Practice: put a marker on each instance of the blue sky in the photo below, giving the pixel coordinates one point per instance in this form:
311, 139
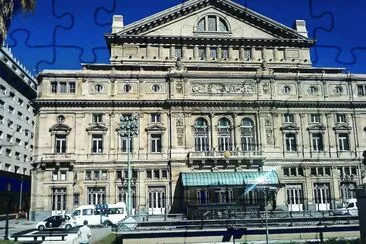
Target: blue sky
61, 34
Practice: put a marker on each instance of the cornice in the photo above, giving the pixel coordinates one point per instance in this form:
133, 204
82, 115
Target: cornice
209, 40
199, 103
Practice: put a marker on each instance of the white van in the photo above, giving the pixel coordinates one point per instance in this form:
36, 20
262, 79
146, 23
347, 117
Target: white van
116, 213
349, 207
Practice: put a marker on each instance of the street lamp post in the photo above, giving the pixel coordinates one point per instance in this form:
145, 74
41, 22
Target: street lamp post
265, 212
21, 194
128, 128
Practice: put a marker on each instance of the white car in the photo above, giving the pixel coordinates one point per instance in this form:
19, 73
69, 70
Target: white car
56, 222
349, 207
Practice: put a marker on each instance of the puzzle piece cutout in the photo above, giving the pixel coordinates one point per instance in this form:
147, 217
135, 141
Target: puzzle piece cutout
59, 42
346, 41
76, 35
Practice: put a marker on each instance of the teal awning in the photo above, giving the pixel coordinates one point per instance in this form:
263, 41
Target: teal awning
193, 179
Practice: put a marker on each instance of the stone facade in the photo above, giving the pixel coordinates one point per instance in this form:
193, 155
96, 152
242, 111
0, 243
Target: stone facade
216, 87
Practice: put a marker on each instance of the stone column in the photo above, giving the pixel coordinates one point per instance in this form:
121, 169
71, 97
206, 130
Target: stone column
236, 131
112, 186
213, 127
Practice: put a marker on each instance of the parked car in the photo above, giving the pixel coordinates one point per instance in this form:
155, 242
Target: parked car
349, 207
113, 215
56, 222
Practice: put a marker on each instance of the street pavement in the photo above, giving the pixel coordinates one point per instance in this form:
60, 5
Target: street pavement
98, 233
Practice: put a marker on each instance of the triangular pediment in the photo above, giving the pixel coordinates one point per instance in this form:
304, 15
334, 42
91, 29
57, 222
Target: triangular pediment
155, 128
315, 127
342, 127
59, 127
182, 20
97, 128
289, 127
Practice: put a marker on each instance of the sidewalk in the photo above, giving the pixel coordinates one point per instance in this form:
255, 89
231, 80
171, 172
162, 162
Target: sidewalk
15, 222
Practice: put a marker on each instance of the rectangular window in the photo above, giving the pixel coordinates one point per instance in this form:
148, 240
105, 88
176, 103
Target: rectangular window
290, 140
123, 196
97, 118
156, 197
104, 175
10, 124
96, 195
213, 52
125, 145
224, 53
60, 144
314, 118
54, 87
12, 95
20, 102
343, 142
148, 174
178, 52
156, 174
156, 118
286, 171
247, 54
97, 143
2, 89
11, 110
202, 53
72, 87
300, 171
341, 118
361, 90
2, 104
59, 199
62, 175
63, 88
76, 198
156, 143
317, 139
55, 175
164, 174
96, 175
88, 175
289, 118
9, 138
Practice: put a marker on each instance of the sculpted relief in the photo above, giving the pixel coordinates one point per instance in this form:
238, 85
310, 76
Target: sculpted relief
223, 88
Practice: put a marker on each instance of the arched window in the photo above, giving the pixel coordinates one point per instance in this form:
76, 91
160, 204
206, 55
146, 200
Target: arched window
212, 23
201, 135
247, 135
224, 135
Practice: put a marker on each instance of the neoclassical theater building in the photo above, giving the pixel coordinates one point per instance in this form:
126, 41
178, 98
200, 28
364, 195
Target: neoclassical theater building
230, 113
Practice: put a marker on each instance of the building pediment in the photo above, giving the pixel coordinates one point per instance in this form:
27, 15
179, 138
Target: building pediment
316, 127
184, 20
342, 127
155, 128
289, 127
96, 128
60, 127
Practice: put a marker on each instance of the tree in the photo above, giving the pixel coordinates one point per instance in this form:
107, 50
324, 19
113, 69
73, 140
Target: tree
10, 7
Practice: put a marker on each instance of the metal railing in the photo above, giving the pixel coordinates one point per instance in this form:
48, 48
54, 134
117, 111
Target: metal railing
242, 220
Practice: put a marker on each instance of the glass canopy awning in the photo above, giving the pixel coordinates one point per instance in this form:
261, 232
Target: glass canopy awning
200, 179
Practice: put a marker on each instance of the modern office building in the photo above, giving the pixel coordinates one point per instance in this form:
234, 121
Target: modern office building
230, 111
17, 89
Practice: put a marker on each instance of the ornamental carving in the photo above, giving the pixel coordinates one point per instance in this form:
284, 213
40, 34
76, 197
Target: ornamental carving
179, 87
223, 88
269, 135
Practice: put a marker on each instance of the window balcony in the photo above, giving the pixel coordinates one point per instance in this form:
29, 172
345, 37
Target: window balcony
226, 158
58, 157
